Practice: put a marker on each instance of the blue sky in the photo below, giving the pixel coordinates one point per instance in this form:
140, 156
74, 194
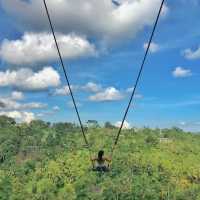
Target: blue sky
102, 45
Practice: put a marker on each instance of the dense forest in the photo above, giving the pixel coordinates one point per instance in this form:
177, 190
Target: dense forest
44, 161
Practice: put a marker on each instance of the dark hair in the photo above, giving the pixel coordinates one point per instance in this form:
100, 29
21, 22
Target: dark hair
100, 154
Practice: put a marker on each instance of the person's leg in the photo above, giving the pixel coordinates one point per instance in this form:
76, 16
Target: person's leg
94, 169
99, 169
105, 169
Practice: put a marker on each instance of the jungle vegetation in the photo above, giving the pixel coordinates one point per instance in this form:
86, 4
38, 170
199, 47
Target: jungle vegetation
44, 161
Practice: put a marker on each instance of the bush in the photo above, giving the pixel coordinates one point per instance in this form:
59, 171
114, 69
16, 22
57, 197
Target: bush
152, 140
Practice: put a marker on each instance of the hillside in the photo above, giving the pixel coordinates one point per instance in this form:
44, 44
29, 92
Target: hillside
46, 161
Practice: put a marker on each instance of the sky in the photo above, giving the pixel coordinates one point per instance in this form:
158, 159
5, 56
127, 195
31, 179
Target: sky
102, 45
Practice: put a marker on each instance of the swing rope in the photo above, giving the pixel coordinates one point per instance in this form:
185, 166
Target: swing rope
137, 80
67, 80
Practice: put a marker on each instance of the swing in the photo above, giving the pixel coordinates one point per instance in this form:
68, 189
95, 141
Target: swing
101, 163
101, 167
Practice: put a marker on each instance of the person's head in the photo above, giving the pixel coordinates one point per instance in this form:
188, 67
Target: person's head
100, 154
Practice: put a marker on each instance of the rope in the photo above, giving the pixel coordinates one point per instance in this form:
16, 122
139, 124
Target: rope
138, 78
67, 79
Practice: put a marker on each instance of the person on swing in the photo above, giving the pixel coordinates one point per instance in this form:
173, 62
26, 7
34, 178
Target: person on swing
100, 162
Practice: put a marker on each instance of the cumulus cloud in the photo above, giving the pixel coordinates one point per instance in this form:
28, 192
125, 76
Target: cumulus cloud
26, 79
54, 110
10, 104
100, 93
180, 72
33, 105
16, 95
92, 87
63, 91
48, 113
19, 115
109, 94
125, 126
130, 90
88, 87
192, 55
95, 19
40, 47
153, 47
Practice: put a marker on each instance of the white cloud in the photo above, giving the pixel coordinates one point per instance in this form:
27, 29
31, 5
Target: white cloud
95, 19
109, 94
101, 94
92, 87
125, 126
20, 116
40, 47
63, 91
48, 113
26, 79
33, 105
89, 87
182, 123
10, 104
130, 89
192, 55
180, 72
137, 96
189, 124
16, 95
56, 108
153, 47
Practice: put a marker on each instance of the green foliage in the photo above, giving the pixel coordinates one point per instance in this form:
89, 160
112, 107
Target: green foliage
152, 140
5, 186
6, 121
109, 125
41, 161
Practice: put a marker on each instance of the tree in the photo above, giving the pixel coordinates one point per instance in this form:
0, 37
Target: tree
6, 121
5, 186
109, 125
92, 124
152, 140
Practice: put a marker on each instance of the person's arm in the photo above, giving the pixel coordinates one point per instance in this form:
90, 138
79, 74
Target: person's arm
107, 159
93, 159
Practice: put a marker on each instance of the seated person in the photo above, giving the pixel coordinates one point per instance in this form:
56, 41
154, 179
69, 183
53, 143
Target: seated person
101, 162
